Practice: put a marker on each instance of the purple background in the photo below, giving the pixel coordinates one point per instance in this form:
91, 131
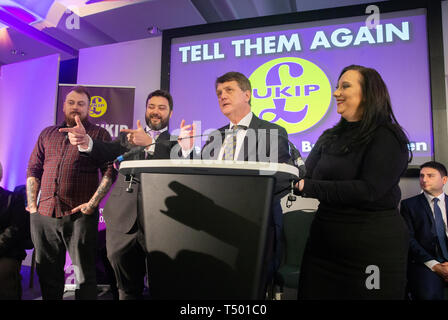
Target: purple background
402, 64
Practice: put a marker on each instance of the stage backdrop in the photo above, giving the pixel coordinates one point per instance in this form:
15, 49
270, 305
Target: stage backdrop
294, 71
113, 109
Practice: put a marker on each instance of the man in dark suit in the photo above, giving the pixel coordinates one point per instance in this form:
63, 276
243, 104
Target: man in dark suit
246, 138
14, 227
426, 216
256, 139
125, 242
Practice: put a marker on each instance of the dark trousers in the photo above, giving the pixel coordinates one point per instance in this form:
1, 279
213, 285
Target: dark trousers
424, 284
10, 279
127, 255
52, 237
274, 248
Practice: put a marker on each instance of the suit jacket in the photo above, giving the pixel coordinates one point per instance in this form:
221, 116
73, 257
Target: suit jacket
14, 225
120, 211
255, 147
424, 244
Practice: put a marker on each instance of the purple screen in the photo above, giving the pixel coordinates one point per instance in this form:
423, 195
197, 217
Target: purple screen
294, 69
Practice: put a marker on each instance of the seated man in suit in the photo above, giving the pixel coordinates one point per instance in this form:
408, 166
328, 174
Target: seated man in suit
245, 138
125, 243
426, 216
14, 228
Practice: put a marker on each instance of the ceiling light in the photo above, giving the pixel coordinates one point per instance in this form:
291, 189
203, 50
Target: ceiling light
154, 30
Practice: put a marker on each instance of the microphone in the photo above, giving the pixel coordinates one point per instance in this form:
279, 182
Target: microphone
136, 150
131, 153
294, 153
297, 160
298, 163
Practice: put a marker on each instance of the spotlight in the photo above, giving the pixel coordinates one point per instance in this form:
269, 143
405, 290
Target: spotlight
154, 30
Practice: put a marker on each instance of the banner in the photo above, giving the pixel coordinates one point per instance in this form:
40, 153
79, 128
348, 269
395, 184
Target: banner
294, 71
113, 109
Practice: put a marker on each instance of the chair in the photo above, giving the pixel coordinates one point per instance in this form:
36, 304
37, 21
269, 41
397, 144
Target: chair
296, 227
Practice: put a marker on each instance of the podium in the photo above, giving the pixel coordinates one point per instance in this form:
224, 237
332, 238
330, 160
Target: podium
206, 224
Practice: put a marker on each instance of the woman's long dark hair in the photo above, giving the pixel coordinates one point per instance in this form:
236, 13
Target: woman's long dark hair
377, 111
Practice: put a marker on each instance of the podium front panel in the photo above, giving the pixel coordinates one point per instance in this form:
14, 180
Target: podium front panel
205, 234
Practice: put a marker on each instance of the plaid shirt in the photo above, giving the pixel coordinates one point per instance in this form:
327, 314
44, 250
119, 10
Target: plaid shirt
68, 178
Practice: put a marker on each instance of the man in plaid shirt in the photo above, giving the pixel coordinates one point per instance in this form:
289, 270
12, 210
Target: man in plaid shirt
66, 218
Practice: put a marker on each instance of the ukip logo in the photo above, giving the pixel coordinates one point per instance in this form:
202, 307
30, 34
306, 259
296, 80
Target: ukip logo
98, 106
291, 92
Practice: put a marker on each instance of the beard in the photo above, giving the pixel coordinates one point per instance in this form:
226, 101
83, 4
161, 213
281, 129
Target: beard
70, 118
162, 123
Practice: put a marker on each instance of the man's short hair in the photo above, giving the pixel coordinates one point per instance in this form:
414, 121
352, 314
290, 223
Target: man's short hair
240, 78
82, 90
161, 93
435, 165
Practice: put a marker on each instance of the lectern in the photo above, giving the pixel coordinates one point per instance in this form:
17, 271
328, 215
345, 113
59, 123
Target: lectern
206, 223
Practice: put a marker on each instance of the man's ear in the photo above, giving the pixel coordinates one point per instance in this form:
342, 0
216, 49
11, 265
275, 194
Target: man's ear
248, 95
444, 179
171, 113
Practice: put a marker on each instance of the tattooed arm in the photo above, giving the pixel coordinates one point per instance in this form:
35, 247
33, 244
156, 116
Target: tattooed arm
103, 189
32, 190
109, 176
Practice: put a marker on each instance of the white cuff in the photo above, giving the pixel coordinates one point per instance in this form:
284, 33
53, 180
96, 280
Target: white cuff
431, 263
89, 148
186, 153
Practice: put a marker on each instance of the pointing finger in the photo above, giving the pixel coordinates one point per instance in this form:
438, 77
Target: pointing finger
128, 130
139, 126
66, 130
78, 208
182, 123
78, 121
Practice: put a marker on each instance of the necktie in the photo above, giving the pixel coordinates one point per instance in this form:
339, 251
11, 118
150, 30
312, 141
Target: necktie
440, 229
230, 142
153, 133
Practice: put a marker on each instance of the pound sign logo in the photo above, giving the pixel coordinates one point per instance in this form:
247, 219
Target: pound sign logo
98, 106
291, 92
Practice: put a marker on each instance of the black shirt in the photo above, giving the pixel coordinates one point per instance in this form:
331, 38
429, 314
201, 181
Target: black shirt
364, 178
14, 225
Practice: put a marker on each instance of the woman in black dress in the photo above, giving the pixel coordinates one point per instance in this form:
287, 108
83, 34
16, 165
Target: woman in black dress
358, 243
